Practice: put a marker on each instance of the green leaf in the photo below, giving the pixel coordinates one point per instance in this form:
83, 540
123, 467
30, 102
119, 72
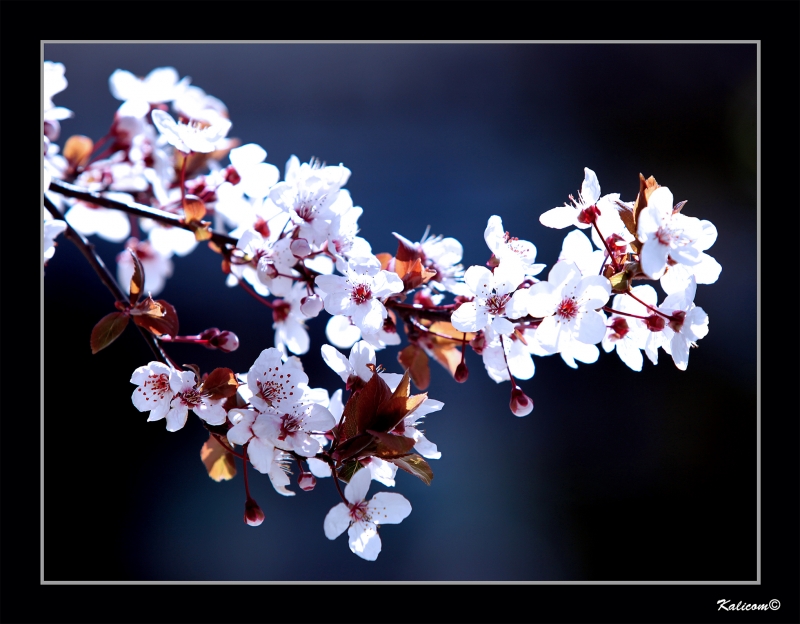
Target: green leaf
107, 330
348, 469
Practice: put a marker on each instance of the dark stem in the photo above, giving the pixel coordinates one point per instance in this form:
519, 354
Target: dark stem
147, 212
613, 311
87, 249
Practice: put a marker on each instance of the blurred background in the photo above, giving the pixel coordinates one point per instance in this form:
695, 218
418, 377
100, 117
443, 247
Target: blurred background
615, 475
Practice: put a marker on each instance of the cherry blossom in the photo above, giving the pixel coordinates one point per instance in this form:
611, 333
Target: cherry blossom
687, 325
496, 299
585, 210
706, 271
52, 228
509, 249
260, 451
568, 304
361, 519
137, 94
154, 391
358, 294
275, 384
289, 322
667, 234
192, 135
293, 428
54, 82
307, 194
358, 368
187, 396
256, 176
628, 334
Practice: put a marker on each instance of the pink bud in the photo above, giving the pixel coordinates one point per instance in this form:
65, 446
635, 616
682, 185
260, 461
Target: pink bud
521, 403
478, 343
462, 373
306, 481
226, 341
311, 306
300, 247
655, 322
252, 513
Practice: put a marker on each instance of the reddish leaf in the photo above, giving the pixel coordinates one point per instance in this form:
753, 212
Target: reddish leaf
389, 446
164, 325
107, 330
218, 460
137, 280
385, 259
415, 361
361, 408
391, 412
415, 465
407, 254
445, 351
220, 384
194, 208
353, 447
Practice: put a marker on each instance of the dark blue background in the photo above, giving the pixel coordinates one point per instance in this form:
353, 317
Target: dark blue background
615, 475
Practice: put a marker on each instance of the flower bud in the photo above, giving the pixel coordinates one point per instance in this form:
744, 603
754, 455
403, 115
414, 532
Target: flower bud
478, 343
226, 341
252, 513
300, 248
521, 403
306, 481
462, 373
311, 306
655, 322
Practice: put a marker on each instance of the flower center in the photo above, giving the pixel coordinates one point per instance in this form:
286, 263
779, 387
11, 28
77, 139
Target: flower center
280, 311
306, 212
496, 304
664, 235
359, 512
361, 293
289, 426
567, 309
269, 391
191, 398
157, 384
676, 322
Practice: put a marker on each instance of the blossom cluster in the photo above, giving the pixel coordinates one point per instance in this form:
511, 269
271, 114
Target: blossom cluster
293, 244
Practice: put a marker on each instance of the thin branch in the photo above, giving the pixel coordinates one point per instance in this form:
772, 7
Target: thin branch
140, 210
96, 262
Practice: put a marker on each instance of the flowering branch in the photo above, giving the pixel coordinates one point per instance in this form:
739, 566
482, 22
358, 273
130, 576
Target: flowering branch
294, 246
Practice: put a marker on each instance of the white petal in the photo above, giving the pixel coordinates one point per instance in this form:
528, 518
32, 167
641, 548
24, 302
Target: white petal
176, 417
336, 521
494, 234
654, 258
364, 540
388, 508
479, 280
502, 326
590, 188
336, 361
592, 327
357, 489
320, 470
559, 218
341, 332
261, 454
630, 354
465, 318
